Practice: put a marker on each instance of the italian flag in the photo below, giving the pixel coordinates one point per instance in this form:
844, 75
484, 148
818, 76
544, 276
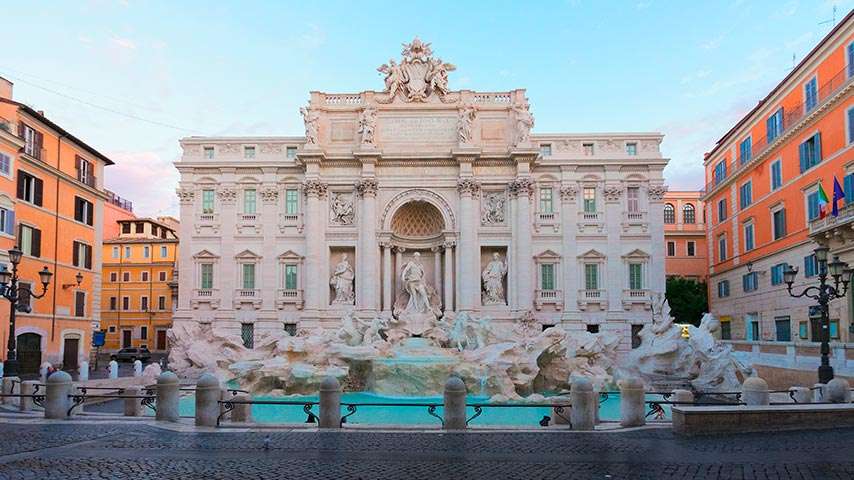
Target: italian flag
823, 202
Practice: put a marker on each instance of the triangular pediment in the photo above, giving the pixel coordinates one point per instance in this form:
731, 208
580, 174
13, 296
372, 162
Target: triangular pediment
205, 254
247, 254
290, 255
636, 253
592, 254
550, 254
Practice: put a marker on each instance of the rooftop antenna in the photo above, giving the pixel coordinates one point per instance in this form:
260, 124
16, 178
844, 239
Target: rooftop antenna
832, 21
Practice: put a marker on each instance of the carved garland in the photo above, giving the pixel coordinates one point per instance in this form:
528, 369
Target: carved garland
367, 186
568, 193
612, 193
185, 195
227, 195
656, 192
315, 188
270, 194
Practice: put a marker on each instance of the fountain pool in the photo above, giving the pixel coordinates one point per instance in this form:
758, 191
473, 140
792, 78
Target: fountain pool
523, 416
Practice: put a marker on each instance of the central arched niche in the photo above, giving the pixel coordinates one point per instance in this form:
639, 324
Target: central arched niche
417, 219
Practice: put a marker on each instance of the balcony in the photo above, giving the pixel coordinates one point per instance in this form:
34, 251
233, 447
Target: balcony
88, 180
207, 224
34, 152
546, 219
288, 296
635, 222
247, 296
793, 119
205, 296
290, 220
548, 297
823, 225
632, 297
591, 222
249, 223
592, 297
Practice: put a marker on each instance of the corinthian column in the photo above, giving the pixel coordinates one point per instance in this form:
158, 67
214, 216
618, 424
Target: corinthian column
387, 277
521, 189
448, 282
315, 274
468, 290
367, 271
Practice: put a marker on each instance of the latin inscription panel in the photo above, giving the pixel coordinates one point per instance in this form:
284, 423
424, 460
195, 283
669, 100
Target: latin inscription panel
420, 129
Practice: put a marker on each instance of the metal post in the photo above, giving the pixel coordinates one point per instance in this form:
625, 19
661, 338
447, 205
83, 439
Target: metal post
11, 366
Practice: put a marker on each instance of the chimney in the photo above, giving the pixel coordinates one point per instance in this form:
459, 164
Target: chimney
5, 89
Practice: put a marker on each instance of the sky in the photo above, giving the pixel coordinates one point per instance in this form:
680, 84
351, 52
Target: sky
133, 77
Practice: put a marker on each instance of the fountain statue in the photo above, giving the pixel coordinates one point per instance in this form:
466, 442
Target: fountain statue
417, 307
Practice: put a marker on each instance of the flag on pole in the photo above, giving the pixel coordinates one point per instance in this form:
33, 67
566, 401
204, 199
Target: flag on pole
822, 202
838, 194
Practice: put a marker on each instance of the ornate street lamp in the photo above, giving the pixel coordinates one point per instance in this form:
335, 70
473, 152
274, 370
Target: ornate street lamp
10, 291
824, 293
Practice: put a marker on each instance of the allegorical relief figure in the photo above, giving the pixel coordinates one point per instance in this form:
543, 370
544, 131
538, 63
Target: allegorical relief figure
342, 209
368, 125
465, 125
342, 281
524, 123
493, 281
493, 209
312, 120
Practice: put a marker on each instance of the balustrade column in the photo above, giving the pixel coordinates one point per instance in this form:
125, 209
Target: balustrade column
448, 282
315, 273
523, 188
387, 277
469, 259
367, 270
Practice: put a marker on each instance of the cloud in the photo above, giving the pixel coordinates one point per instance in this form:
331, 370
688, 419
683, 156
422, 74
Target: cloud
145, 178
121, 42
714, 43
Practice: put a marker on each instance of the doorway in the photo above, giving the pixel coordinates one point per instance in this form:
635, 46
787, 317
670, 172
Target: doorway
29, 353
70, 354
161, 340
126, 336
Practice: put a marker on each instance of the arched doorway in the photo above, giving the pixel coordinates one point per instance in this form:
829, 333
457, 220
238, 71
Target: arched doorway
70, 352
29, 352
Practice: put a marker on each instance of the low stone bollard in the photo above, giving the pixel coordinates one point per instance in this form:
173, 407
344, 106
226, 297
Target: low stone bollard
330, 403
56, 402
114, 369
454, 404
242, 412
632, 403
133, 406
27, 388
207, 398
84, 371
838, 391
167, 397
583, 415
800, 394
682, 396
137, 368
818, 392
754, 391
8, 388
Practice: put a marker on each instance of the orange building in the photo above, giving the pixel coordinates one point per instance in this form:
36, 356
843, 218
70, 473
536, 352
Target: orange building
53, 184
115, 208
685, 236
138, 293
762, 193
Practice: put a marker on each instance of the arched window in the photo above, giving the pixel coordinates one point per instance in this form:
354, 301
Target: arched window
688, 214
669, 214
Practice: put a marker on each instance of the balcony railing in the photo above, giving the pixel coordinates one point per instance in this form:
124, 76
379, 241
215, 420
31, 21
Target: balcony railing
88, 180
248, 293
846, 215
548, 297
249, 217
208, 217
546, 217
119, 201
203, 292
289, 296
791, 119
36, 153
589, 216
591, 294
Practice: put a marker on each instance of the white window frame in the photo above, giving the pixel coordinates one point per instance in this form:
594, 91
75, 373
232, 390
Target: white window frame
117, 252
11, 173
776, 208
778, 161
848, 140
687, 250
725, 249
748, 224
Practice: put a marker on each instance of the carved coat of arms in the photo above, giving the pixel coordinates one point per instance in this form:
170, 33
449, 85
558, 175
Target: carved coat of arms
417, 76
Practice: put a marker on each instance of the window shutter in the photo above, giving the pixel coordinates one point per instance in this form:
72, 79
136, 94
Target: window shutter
90, 216
78, 209
88, 249
817, 148
75, 254
37, 242
21, 126
78, 162
22, 177
9, 228
20, 236
802, 154
39, 192
783, 222
38, 147
848, 183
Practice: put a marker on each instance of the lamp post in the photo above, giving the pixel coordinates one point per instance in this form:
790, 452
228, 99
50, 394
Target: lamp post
824, 293
10, 291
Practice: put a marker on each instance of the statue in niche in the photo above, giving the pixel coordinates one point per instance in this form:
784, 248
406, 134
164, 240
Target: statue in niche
342, 209
465, 125
367, 125
524, 123
493, 281
312, 127
342, 282
493, 209
417, 306
415, 285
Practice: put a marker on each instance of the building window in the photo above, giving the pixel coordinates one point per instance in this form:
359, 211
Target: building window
669, 214
751, 322
126, 276
748, 237
209, 152
164, 251
811, 94
671, 249
777, 273
248, 276
249, 200
154, 230
631, 149
143, 333
722, 253
82, 255
291, 152
125, 303
249, 152
144, 276
745, 197
143, 304
140, 227
7, 221
779, 223
290, 277
114, 303
33, 141
722, 213
809, 152
114, 276
589, 199
79, 304
127, 252
745, 150
690, 246
162, 276
146, 251
206, 276
774, 125
592, 328
750, 282
207, 201
848, 187
810, 266
291, 329
291, 201
834, 329
125, 227
726, 330
5, 164
850, 55
30, 188
636, 339
545, 150
783, 325
588, 149
591, 276
813, 207
776, 174
116, 252
689, 214
633, 199
635, 276
723, 289
720, 171
247, 334
161, 302
30, 240
546, 200
547, 276
84, 171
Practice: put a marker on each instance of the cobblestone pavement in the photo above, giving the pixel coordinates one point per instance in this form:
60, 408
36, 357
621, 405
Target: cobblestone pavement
141, 452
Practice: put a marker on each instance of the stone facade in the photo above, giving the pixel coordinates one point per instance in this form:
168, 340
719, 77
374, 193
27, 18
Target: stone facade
272, 226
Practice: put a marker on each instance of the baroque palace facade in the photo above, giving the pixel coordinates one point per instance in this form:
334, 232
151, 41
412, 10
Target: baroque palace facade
448, 186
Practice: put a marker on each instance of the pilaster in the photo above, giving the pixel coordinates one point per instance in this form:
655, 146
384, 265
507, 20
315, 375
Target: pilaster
521, 190
469, 259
